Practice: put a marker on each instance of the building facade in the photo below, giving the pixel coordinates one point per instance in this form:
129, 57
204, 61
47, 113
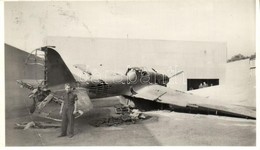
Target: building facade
201, 62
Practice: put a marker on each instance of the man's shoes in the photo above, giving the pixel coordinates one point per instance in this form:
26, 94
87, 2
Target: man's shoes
62, 135
71, 136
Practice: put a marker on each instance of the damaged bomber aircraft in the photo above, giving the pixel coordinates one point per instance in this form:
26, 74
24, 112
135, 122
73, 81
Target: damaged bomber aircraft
138, 88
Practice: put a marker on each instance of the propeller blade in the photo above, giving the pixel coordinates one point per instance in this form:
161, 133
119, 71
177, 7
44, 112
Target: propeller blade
176, 74
154, 70
42, 104
33, 106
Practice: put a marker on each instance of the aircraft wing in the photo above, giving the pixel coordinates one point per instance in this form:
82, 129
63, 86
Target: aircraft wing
185, 100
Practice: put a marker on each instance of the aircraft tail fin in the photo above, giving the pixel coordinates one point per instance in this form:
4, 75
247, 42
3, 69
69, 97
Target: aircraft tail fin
56, 72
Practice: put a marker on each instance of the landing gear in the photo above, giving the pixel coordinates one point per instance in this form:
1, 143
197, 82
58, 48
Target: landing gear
127, 102
142, 104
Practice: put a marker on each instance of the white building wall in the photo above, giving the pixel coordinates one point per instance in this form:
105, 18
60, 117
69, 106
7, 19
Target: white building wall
196, 59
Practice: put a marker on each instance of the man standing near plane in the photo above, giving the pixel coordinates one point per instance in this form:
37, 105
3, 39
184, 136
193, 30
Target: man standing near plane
67, 110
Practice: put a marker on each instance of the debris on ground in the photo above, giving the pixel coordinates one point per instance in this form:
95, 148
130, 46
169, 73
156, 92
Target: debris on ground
125, 115
38, 125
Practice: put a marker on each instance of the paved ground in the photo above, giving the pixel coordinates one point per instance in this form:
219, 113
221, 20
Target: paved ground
164, 128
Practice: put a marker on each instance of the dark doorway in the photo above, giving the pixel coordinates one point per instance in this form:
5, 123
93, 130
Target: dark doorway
193, 84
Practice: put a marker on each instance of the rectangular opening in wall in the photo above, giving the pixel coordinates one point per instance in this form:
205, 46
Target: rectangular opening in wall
193, 84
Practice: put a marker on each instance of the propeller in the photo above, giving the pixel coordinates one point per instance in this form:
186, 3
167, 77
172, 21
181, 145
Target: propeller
40, 95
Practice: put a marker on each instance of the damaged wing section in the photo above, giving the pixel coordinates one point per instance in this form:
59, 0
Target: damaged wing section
185, 102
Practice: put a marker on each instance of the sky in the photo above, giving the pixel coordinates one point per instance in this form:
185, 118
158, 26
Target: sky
27, 24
